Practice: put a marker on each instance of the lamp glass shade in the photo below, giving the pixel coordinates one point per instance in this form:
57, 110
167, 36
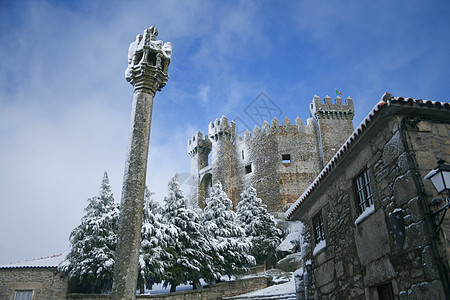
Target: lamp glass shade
440, 179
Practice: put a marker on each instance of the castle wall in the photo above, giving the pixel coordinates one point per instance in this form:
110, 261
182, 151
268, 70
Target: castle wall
278, 160
334, 124
198, 151
299, 141
260, 151
223, 162
277, 183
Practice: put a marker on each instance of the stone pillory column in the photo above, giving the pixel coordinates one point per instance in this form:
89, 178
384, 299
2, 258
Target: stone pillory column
148, 62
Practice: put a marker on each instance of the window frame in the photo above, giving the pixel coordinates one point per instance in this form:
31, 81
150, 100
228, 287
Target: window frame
385, 291
318, 228
248, 169
18, 291
286, 159
362, 187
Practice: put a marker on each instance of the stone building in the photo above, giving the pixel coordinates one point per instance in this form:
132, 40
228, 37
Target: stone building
33, 279
369, 228
279, 160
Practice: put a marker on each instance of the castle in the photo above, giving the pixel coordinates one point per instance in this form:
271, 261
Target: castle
279, 160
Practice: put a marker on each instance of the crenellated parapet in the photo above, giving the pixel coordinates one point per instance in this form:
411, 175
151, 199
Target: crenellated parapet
221, 128
197, 144
330, 110
274, 128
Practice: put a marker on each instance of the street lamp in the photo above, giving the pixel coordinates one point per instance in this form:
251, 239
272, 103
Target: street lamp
440, 178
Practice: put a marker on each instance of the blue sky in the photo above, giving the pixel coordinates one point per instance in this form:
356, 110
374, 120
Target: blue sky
65, 105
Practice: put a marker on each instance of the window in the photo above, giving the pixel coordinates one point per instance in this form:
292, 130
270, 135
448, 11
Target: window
364, 197
23, 294
286, 158
248, 169
319, 232
385, 291
242, 154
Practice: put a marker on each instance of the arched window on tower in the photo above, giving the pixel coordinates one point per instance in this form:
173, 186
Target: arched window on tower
204, 190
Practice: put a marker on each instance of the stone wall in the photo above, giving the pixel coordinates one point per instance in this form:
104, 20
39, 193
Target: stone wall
360, 257
46, 283
256, 158
216, 291
278, 183
334, 124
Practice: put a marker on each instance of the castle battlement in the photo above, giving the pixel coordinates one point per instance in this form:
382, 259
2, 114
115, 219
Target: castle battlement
196, 144
330, 110
220, 128
276, 128
279, 158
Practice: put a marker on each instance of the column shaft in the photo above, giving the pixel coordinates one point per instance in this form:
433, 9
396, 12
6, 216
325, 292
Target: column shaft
127, 252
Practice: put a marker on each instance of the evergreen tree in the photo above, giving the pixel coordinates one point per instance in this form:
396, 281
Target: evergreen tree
187, 246
259, 225
153, 244
231, 247
90, 261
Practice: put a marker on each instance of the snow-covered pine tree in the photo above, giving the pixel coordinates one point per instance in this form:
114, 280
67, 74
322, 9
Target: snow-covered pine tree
259, 225
187, 244
231, 247
153, 244
90, 261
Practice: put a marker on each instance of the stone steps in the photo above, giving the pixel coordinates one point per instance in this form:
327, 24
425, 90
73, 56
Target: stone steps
288, 296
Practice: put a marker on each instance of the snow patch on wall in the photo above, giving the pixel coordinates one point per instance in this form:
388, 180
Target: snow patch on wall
367, 212
319, 247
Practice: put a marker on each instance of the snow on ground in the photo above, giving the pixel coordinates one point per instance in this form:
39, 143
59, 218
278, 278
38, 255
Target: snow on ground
278, 276
284, 284
278, 289
159, 289
292, 238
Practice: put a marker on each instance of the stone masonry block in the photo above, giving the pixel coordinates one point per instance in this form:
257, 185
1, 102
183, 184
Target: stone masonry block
393, 148
415, 209
324, 274
442, 130
402, 163
415, 236
379, 271
404, 189
371, 238
426, 290
427, 260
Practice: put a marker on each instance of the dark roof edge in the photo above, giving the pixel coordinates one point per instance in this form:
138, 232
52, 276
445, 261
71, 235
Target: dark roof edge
29, 267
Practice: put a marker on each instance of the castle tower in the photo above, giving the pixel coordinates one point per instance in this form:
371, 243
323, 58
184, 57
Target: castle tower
279, 160
222, 135
334, 124
148, 61
198, 150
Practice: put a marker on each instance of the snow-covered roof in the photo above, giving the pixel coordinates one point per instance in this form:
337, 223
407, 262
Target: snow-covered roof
386, 102
43, 262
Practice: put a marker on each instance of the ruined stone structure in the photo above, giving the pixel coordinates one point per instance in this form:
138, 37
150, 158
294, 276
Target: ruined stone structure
148, 62
279, 160
370, 232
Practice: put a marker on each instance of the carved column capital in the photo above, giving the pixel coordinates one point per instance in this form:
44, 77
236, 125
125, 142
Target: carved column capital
148, 62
